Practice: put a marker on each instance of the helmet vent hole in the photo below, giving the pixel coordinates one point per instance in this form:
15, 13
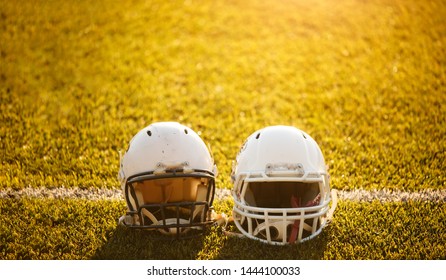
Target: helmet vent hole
258, 136
185, 131
149, 132
305, 137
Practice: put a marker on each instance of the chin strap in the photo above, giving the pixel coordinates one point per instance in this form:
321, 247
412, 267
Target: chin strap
221, 219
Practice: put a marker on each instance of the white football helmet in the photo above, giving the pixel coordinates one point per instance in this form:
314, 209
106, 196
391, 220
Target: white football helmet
281, 186
168, 178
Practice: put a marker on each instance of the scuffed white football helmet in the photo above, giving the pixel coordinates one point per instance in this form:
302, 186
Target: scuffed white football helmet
168, 176
281, 186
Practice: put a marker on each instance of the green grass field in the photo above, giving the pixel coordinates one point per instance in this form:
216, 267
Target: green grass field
366, 79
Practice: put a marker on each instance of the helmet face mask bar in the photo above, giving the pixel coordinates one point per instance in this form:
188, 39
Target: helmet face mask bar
281, 189
172, 203
279, 211
175, 195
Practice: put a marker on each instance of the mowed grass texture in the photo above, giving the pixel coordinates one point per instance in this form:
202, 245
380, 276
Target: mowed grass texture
80, 229
78, 79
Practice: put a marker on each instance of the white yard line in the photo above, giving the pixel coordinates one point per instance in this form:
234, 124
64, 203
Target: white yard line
62, 192
386, 195
359, 195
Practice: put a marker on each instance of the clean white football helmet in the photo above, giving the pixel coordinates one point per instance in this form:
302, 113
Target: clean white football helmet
168, 178
281, 186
